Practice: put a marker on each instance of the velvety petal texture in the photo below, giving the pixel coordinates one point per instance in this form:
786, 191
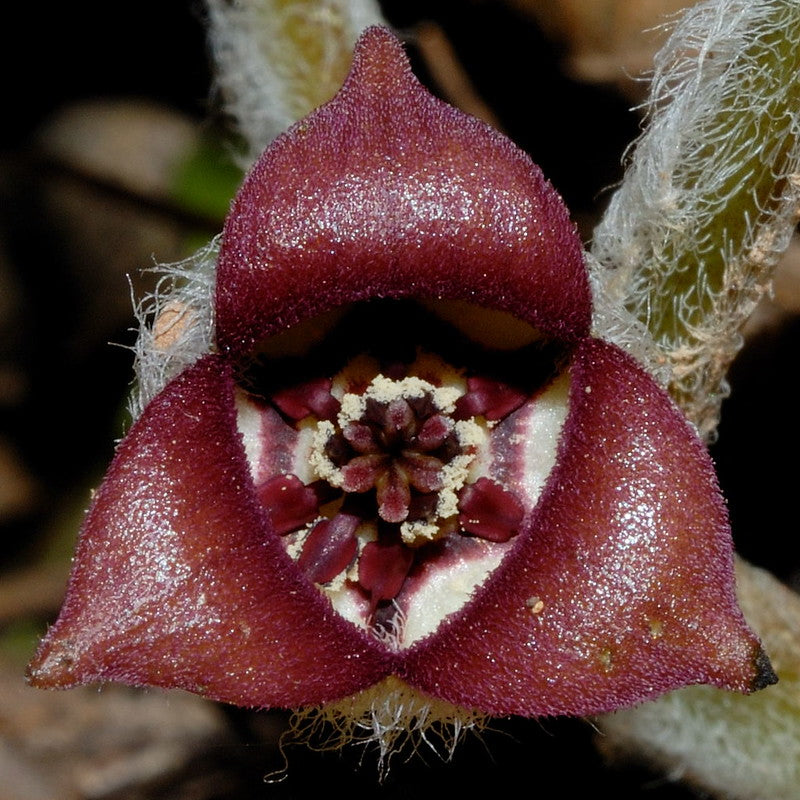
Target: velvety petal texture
611, 584
178, 580
620, 588
388, 192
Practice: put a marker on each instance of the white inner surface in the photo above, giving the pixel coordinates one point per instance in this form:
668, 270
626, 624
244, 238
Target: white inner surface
532, 432
449, 588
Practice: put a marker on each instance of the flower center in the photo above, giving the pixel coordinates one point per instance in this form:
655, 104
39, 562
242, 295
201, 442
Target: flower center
398, 439
392, 476
397, 457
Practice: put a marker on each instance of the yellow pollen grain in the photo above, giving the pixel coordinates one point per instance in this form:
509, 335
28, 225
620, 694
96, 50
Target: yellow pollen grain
170, 324
419, 532
656, 628
385, 390
323, 467
535, 605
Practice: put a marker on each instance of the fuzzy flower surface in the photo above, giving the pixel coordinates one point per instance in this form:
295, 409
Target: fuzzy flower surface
405, 458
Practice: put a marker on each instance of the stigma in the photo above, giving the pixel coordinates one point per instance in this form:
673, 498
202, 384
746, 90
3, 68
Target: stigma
398, 438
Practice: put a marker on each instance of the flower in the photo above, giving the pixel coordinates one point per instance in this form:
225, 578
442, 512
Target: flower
406, 457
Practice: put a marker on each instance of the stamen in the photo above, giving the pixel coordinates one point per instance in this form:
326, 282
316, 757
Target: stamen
489, 511
313, 397
398, 419
393, 493
433, 432
361, 473
361, 438
382, 570
423, 472
491, 399
288, 503
330, 548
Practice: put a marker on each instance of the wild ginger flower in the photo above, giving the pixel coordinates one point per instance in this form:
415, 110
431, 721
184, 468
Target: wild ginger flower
405, 460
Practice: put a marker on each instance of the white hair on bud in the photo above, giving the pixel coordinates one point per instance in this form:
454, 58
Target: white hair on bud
176, 324
711, 191
735, 746
392, 717
616, 324
277, 61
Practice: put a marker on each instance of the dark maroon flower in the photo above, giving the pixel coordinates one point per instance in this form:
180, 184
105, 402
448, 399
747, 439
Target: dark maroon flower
406, 458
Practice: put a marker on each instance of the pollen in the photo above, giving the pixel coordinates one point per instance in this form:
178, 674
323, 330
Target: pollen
396, 462
170, 325
535, 605
397, 437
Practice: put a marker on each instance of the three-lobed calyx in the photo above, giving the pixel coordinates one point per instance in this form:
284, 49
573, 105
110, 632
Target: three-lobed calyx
582, 559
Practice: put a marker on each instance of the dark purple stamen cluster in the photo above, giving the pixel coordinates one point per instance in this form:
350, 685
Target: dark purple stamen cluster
398, 449
390, 464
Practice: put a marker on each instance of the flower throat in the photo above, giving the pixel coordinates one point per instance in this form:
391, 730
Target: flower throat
392, 459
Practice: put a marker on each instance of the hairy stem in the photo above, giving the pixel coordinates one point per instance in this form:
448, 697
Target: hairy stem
277, 60
709, 201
